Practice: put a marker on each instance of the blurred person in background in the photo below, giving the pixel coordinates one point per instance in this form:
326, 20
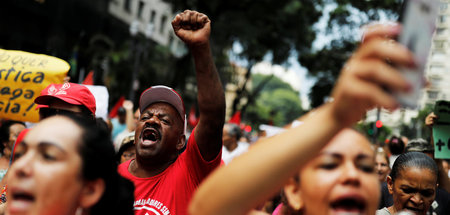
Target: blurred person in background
405, 140
119, 122
232, 147
131, 120
382, 164
9, 131
420, 145
396, 147
127, 149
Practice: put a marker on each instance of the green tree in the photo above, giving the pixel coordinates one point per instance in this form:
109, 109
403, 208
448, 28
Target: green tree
417, 128
154, 68
277, 104
376, 135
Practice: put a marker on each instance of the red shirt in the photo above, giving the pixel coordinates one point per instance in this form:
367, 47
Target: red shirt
170, 192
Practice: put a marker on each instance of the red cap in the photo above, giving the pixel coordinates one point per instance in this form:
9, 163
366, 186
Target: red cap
43, 92
71, 93
165, 94
41, 106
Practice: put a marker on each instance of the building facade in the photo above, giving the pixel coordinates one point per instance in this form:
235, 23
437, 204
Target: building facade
150, 17
438, 64
436, 74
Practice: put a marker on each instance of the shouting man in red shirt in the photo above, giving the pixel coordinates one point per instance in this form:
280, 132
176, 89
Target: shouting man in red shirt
164, 178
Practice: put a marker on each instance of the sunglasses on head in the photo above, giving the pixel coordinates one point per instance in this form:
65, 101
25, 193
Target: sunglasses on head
48, 112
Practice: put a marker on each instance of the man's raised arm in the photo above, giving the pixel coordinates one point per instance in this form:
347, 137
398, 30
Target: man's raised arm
194, 28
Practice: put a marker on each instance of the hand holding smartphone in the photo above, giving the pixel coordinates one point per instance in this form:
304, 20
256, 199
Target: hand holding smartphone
419, 23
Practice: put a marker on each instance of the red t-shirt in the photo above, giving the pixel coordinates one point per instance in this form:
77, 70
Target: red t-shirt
170, 192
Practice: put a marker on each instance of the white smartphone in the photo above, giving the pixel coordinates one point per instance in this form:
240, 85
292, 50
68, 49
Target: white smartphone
419, 22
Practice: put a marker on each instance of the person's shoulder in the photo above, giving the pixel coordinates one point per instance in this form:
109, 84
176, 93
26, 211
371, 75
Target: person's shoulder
382, 211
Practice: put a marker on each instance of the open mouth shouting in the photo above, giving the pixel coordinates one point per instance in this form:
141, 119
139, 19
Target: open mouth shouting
352, 205
20, 200
150, 136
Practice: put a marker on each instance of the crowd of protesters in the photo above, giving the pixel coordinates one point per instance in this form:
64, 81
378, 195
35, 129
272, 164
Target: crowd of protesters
143, 162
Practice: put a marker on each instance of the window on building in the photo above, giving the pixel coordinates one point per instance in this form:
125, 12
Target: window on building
152, 16
162, 25
127, 6
438, 56
140, 9
436, 69
443, 6
440, 31
442, 18
432, 94
435, 81
439, 44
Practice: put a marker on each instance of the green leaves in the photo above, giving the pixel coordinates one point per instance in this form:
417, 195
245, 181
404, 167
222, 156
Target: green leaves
277, 103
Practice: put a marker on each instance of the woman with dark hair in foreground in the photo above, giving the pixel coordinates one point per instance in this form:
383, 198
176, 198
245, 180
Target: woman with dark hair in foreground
66, 165
264, 169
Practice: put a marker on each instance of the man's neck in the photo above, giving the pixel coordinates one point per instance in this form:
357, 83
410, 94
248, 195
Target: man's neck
146, 170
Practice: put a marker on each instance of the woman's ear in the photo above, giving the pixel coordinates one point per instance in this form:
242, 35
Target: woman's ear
292, 193
91, 193
390, 184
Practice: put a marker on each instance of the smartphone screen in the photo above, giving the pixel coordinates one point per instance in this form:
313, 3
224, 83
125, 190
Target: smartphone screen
419, 22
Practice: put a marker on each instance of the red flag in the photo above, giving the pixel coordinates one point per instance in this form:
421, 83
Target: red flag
192, 119
113, 112
89, 80
236, 118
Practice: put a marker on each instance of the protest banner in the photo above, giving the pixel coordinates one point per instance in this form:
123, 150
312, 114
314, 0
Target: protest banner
23, 76
441, 130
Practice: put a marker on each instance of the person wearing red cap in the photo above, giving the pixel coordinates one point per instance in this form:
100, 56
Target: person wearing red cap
67, 98
164, 178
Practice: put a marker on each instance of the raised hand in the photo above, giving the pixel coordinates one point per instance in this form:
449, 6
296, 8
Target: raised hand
367, 78
128, 105
430, 119
192, 27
